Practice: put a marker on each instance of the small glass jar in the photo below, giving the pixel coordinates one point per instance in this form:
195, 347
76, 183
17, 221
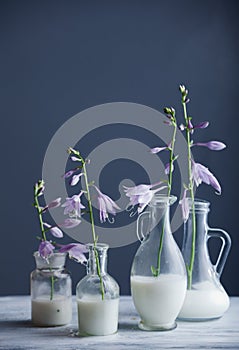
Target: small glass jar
51, 291
97, 299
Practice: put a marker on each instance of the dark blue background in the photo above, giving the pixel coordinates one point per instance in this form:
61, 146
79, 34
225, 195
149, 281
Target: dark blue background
60, 57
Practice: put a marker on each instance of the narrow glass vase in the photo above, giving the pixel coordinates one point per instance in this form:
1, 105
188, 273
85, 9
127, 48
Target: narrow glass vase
98, 308
158, 297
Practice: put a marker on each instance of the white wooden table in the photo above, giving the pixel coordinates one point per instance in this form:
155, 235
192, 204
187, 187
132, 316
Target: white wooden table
16, 331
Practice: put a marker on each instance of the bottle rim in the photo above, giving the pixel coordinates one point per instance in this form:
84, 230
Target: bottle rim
159, 198
199, 204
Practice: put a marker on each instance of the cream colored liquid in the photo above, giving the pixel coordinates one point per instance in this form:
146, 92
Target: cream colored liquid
56, 312
97, 316
204, 301
158, 300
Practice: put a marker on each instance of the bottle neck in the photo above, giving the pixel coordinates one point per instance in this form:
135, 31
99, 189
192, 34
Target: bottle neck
98, 252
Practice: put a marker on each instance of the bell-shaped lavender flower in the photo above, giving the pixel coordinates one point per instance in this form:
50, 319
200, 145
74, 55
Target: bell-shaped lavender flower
185, 206
46, 249
201, 174
201, 125
70, 223
141, 195
73, 205
212, 145
55, 231
76, 251
106, 205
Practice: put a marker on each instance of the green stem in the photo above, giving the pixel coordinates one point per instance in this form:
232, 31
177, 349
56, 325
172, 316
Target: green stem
93, 229
192, 255
39, 211
157, 272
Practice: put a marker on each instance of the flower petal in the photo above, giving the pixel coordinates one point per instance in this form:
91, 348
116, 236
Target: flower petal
157, 149
70, 223
45, 249
56, 232
75, 179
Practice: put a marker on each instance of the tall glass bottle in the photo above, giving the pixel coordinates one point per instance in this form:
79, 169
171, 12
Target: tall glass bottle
97, 311
158, 275
205, 298
51, 291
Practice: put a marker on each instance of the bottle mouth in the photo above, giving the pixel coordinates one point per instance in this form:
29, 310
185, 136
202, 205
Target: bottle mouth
99, 246
162, 199
199, 204
55, 260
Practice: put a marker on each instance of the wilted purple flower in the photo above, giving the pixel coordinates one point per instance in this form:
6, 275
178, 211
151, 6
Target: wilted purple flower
201, 174
55, 231
69, 173
106, 205
212, 145
75, 179
70, 223
73, 205
141, 194
75, 250
45, 249
185, 206
157, 149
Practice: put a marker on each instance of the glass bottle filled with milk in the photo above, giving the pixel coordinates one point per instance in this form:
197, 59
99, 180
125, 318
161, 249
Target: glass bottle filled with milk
158, 274
97, 296
205, 297
51, 291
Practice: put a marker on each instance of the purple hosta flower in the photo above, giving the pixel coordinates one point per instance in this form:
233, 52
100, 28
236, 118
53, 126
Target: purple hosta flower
69, 173
192, 127
75, 159
70, 223
201, 125
45, 249
167, 168
212, 145
75, 179
76, 251
73, 205
201, 174
157, 149
106, 205
185, 206
54, 204
55, 231
141, 194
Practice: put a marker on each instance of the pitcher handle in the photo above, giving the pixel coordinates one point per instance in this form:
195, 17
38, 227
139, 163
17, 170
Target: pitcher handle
225, 248
139, 225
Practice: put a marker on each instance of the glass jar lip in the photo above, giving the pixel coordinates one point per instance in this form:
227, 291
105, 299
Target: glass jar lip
55, 261
99, 246
199, 204
160, 198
